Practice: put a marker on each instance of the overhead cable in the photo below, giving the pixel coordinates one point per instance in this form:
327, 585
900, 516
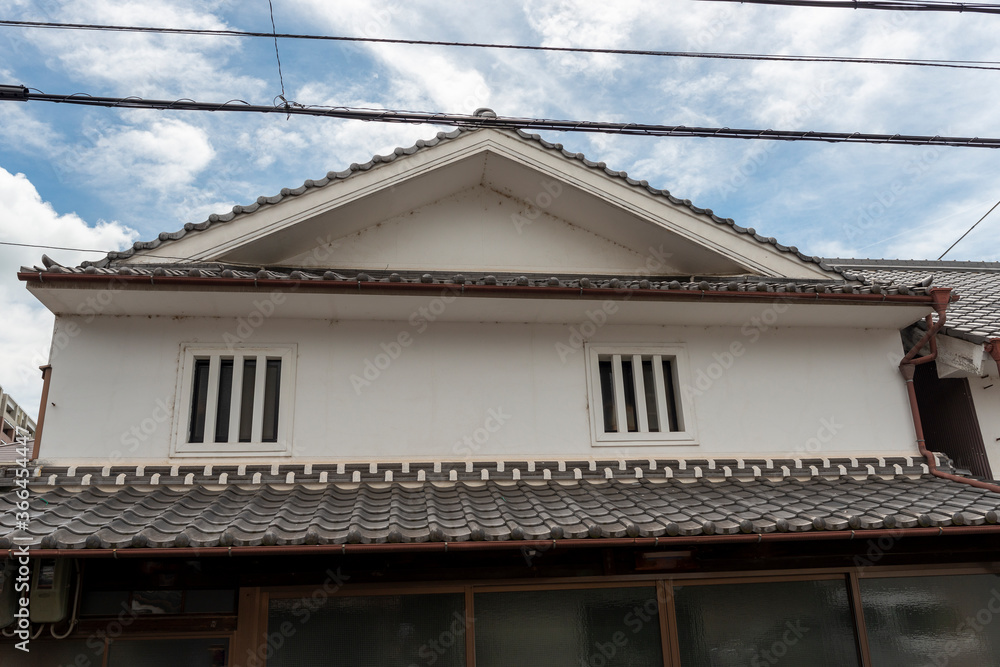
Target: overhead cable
20, 93
887, 5
277, 57
954, 64
179, 260
969, 230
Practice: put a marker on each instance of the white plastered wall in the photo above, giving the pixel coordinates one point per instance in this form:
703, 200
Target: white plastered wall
799, 392
986, 398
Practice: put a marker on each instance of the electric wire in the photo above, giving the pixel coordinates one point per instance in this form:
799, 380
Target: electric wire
954, 64
178, 260
465, 121
277, 57
886, 5
50, 247
969, 230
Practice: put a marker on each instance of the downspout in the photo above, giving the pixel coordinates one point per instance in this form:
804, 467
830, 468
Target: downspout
46, 377
908, 367
992, 347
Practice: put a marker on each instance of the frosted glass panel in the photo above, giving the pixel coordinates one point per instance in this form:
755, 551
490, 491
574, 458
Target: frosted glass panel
942, 620
168, 653
612, 627
374, 631
784, 623
50, 653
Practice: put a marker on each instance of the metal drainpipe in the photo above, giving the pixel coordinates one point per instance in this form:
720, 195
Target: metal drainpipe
908, 367
993, 349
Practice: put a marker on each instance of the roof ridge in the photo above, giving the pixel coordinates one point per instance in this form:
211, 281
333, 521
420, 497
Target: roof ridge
421, 144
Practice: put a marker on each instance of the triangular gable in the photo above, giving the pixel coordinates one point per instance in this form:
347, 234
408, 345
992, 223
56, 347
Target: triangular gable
481, 200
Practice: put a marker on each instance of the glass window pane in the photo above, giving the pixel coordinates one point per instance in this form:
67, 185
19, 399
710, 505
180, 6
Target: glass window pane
608, 395
50, 653
103, 603
246, 399
649, 382
168, 652
614, 627
628, 380
368, 631
272, 388
942, 620
225, 400
209, 602
668, 385
157, 602
788, 623
199, 398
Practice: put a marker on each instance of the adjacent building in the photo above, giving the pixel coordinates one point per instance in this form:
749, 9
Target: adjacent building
17, 426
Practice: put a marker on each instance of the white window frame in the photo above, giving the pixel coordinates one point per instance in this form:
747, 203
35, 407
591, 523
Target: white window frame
685, 411
288, 353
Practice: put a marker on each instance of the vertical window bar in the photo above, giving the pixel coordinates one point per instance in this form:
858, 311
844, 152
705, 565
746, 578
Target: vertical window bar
661, 393
272, 389
225, 404
258, 398
236, 401
607, 395
616, 372
649, 389
674, 419
247, 398
199, 400
639, 390
213, 397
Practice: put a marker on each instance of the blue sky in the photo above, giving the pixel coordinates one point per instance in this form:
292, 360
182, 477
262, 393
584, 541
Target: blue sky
101, 178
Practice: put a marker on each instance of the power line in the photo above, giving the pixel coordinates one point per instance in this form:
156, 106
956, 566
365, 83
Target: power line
20, 93
274, 32
105, 252
954, 64
50, 247
888, 5
969, 230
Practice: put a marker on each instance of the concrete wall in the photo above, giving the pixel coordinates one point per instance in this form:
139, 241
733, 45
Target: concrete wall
785, 392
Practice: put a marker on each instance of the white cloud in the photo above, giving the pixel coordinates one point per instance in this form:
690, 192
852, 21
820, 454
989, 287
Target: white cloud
947, 223
586, 24
25, 218
154, 155
147, 65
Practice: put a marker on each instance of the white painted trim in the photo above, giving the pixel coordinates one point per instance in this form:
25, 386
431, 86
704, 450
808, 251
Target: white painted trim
677, 353
288, 353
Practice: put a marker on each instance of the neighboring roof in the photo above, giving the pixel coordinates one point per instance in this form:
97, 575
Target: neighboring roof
334, 177
224, 274
974, 317
9, 451
246, 505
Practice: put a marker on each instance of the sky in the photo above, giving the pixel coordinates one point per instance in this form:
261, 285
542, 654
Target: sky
101, 178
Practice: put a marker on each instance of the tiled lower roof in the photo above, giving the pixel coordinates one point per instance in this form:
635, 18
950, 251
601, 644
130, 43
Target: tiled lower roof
974, 317
236, 506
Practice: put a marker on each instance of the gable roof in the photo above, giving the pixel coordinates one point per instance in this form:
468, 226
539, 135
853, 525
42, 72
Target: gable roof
334, 178
975, 317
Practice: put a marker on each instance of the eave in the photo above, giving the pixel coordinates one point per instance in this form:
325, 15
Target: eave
521, 300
